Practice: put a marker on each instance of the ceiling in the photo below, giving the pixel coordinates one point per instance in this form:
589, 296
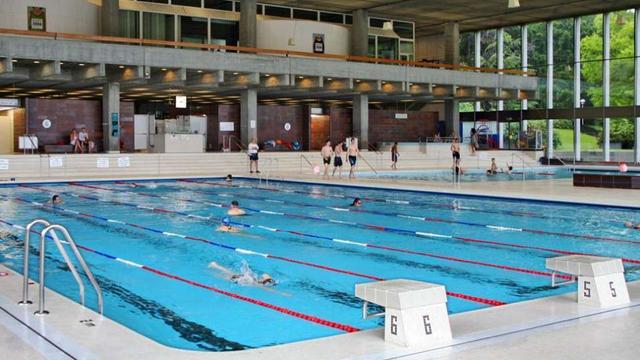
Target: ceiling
430, 15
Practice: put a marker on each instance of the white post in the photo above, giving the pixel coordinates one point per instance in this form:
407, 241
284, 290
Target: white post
549, 88
524, 55
606, 83
576, 89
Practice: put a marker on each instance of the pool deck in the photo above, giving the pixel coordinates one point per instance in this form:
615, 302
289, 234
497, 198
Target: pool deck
552, 327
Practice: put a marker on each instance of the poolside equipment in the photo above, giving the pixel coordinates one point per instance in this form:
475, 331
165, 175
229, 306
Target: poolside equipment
600, 279
415, 312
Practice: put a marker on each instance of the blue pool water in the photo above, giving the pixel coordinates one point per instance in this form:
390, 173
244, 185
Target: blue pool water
475, 175
486, 251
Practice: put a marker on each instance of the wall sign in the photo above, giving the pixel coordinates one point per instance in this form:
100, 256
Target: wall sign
226, 126
56, 162
4, 164
37, 18
287, 126
46, 123
123, 162
102, 163
402, 116
115, 124
252, 124
4, 102
181, 102
318, 43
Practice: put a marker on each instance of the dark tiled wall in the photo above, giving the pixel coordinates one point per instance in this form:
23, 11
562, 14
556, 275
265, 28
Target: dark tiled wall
341, 126
272, 119
229, 113
66, 115
384, 127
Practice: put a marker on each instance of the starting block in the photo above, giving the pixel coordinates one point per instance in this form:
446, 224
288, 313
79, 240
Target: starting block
415, 312
600, 279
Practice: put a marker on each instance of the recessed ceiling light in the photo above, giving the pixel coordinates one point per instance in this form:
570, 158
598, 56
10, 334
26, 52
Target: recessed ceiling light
357, 80
235, 73
199, 71
14, 60
61, 63
120, 66
384, 82
36, 62
164, 69
81, 64
329, 79
300, 77
267, 75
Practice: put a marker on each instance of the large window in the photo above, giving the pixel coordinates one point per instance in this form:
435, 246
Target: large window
224, 32
512, 46
193, 29
218, 5
537, 55
158, 26
387, 47
488, 49
591, 56
129, 23
563, 63
622, 58
467, 49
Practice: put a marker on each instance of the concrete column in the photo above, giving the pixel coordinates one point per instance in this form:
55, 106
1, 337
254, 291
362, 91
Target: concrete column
549, 88
111, 116
248, 115
525, 67
577, 148
636, 152
361, 120
248, 23
109, 16
360, 33
606, 83
451, 56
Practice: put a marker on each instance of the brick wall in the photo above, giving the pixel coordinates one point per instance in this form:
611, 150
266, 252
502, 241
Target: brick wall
384, 127
66, 115
341, 126
272, 120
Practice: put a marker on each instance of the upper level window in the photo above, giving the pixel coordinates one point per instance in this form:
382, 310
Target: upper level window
305, 14
403, 29
376, 23
219, 5
194, 3
277, 11
156, 1
331, 17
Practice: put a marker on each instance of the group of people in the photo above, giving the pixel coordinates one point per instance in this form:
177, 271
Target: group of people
80, 141
336, 152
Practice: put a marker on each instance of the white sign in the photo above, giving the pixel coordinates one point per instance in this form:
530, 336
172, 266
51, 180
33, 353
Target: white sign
252, 124
226, 126
46, 123
123, 161
181, 101
9, 102
402, 116
102, 163
316, 111
56, 162
4, 164
287, 126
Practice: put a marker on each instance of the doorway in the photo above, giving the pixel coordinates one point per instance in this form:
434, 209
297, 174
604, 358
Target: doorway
6, 133
320, 131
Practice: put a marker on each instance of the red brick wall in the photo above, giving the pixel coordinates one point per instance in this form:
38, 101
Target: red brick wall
320, 131
66, 115
228, 113
341, 126
384, 127
271, 121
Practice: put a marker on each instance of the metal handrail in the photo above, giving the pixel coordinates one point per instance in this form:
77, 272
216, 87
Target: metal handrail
523, 164
69, 240
371, 167
25, 268
305, 159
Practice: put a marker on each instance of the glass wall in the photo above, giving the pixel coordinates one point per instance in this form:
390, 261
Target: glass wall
563, 63
193, 29
129, 23
512, 45
622, 58
467, 49
158, 26
537, 56
621, 139
224, 32
591, 56
387, 48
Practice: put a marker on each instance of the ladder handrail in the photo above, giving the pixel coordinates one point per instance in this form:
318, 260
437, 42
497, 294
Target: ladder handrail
69, 240
25, 264
368, 164
305, 159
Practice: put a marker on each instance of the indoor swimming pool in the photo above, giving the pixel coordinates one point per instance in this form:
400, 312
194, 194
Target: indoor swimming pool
155, 251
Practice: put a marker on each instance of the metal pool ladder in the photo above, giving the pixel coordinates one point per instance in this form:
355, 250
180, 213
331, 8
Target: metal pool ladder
50, 231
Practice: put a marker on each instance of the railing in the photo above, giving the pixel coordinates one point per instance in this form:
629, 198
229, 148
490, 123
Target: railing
302, 157
250, 50
513, 156
369, 165
265, 176
378, 154
50, 230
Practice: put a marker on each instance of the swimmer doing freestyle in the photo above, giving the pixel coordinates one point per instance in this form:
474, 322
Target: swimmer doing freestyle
245, 276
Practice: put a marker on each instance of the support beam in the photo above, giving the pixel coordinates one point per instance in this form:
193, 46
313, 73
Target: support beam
576, 89
248, 115
549, 88
360, 33
109, 16
361, 119
636, 152
606, 84
248, 23
111, 116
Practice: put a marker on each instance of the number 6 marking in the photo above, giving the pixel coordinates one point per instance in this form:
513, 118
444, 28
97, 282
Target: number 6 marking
613, 290
427, 324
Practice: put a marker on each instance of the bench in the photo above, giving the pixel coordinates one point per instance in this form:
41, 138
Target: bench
58, 149
415, 312
600, 279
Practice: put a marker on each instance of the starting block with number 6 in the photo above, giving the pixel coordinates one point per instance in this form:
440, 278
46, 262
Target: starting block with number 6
600, 279
415, 312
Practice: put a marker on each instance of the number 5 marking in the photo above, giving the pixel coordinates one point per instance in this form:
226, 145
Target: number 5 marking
587, 291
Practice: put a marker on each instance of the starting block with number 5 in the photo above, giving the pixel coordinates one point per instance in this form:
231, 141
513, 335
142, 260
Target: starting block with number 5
415, 312
600, 279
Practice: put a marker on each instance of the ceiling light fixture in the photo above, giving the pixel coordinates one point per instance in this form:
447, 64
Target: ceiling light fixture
81, 64
36, 62
120, 66
514, 4
235, 73
164, 69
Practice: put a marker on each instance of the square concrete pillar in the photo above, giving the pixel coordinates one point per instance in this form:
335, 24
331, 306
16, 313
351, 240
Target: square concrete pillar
248, 23
111, 117
360, 33
361, 120
109, 17
248, 115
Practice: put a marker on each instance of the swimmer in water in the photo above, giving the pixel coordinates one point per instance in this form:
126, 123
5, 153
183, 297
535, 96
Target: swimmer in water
630, 225
245, 276
356, 202
226, 227
235, 210
56, 199
228, 179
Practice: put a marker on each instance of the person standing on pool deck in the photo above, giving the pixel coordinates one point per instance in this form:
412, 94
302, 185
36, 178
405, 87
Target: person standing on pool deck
455, 152
394, 156
326, 153
473, 144
337, 159
252, 151
352, 153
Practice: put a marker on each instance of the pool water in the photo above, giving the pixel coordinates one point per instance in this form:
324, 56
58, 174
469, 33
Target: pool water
150, 246
475, 175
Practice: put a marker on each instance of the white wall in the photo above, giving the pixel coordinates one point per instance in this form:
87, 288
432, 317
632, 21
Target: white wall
71, 16
275, 34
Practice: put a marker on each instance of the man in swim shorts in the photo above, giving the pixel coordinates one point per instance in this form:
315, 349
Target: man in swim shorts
337, 159
326, 153
234, 209
455, 151
352, 153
